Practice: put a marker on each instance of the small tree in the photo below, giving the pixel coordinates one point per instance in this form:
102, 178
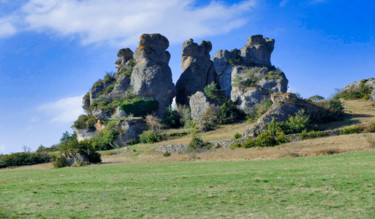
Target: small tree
316, 98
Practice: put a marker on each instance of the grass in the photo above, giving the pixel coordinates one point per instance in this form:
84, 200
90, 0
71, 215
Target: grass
338, 186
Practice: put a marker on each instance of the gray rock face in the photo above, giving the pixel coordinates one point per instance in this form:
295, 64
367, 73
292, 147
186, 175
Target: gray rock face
366, 82
203, 111
258, 51
152, 77
247, 74
197, 70
76, 159
130, 129
285, 105
124, 56
85, 134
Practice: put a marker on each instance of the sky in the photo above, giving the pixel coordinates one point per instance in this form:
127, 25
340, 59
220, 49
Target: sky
52, 51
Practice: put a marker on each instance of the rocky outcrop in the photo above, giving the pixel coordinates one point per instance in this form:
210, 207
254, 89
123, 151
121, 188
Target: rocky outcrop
247, 74
152, 77
84, 134
76, 159
370, 83
284, 106
197, 70
204, 112
129, 128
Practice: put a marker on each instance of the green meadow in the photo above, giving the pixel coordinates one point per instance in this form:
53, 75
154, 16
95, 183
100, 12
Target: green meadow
337, 186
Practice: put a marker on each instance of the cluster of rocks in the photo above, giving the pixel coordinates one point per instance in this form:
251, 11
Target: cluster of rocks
246, 75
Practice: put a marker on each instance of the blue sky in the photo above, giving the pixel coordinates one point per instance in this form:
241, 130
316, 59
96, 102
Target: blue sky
52, 51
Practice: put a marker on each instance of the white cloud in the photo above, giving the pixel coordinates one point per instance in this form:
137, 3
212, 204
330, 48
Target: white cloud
64, 110
123, 21
7, 28
2, 149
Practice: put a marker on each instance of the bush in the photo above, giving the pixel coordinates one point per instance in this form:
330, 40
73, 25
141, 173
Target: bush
265, 139
172, 119
94, 157
362, 92
23, 159
312, 134
235, 145
296, 124
316, 98
104, 140
85, 122
185, 114
60, 162
140, 106
372, 127
249, 143
237, 136
351, 130
229, 113
258, 110
149, 137
167, 154
214, 93
197, 144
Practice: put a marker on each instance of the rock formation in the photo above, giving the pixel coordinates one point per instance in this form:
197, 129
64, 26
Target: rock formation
247, 74
368, 83
152, 77
285, 105
197, 70
130, 129
203, 111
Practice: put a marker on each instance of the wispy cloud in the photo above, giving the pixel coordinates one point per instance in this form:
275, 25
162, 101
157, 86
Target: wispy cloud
123, 21
7, 27
64, 110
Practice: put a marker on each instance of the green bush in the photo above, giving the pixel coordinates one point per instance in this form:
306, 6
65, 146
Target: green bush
60, 162
167, 154
197, 144
23, 159
140, 106
372, 127
128, 72
265, 139
362, 92
235, 61
258, 110
312, 134
85, 122
316, 98
149, 137
351, 130
172, 119
237, 136
214, 93
104, 140
235, 145
249, 143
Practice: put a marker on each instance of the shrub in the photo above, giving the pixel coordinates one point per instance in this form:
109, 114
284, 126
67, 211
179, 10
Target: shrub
128, 72
249, 143
258, 110
149, 137
229, 113
265, 139
296, 124
104, 140
185, 114
140, 106
351, 130
172, 119
316, 98
235, 61
335, 105
214, 93
167, 154
235, 145
94, 157
23, 158
372, 127
362, 92
237, 136
60, 162
312, 134
85, 122
197, 144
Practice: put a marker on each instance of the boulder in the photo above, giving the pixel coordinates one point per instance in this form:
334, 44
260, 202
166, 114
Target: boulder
204, 111
152, 76
76, 159
366, 82
85, 134
284, 106
129, 128
197, 70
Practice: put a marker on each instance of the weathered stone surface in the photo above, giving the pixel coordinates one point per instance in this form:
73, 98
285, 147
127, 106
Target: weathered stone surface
124, 56
258, 51
179, 148
247, 74
84, 134
76, 159
197, 70
285, 105
252, 85
366, 82
203, 111
152, 77
130, 129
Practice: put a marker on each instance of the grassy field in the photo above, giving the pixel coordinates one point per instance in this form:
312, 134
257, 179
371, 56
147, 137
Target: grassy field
338, 186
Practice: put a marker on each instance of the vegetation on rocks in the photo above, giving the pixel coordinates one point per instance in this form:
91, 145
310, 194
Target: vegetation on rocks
140, 106
361, 92
85, 122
